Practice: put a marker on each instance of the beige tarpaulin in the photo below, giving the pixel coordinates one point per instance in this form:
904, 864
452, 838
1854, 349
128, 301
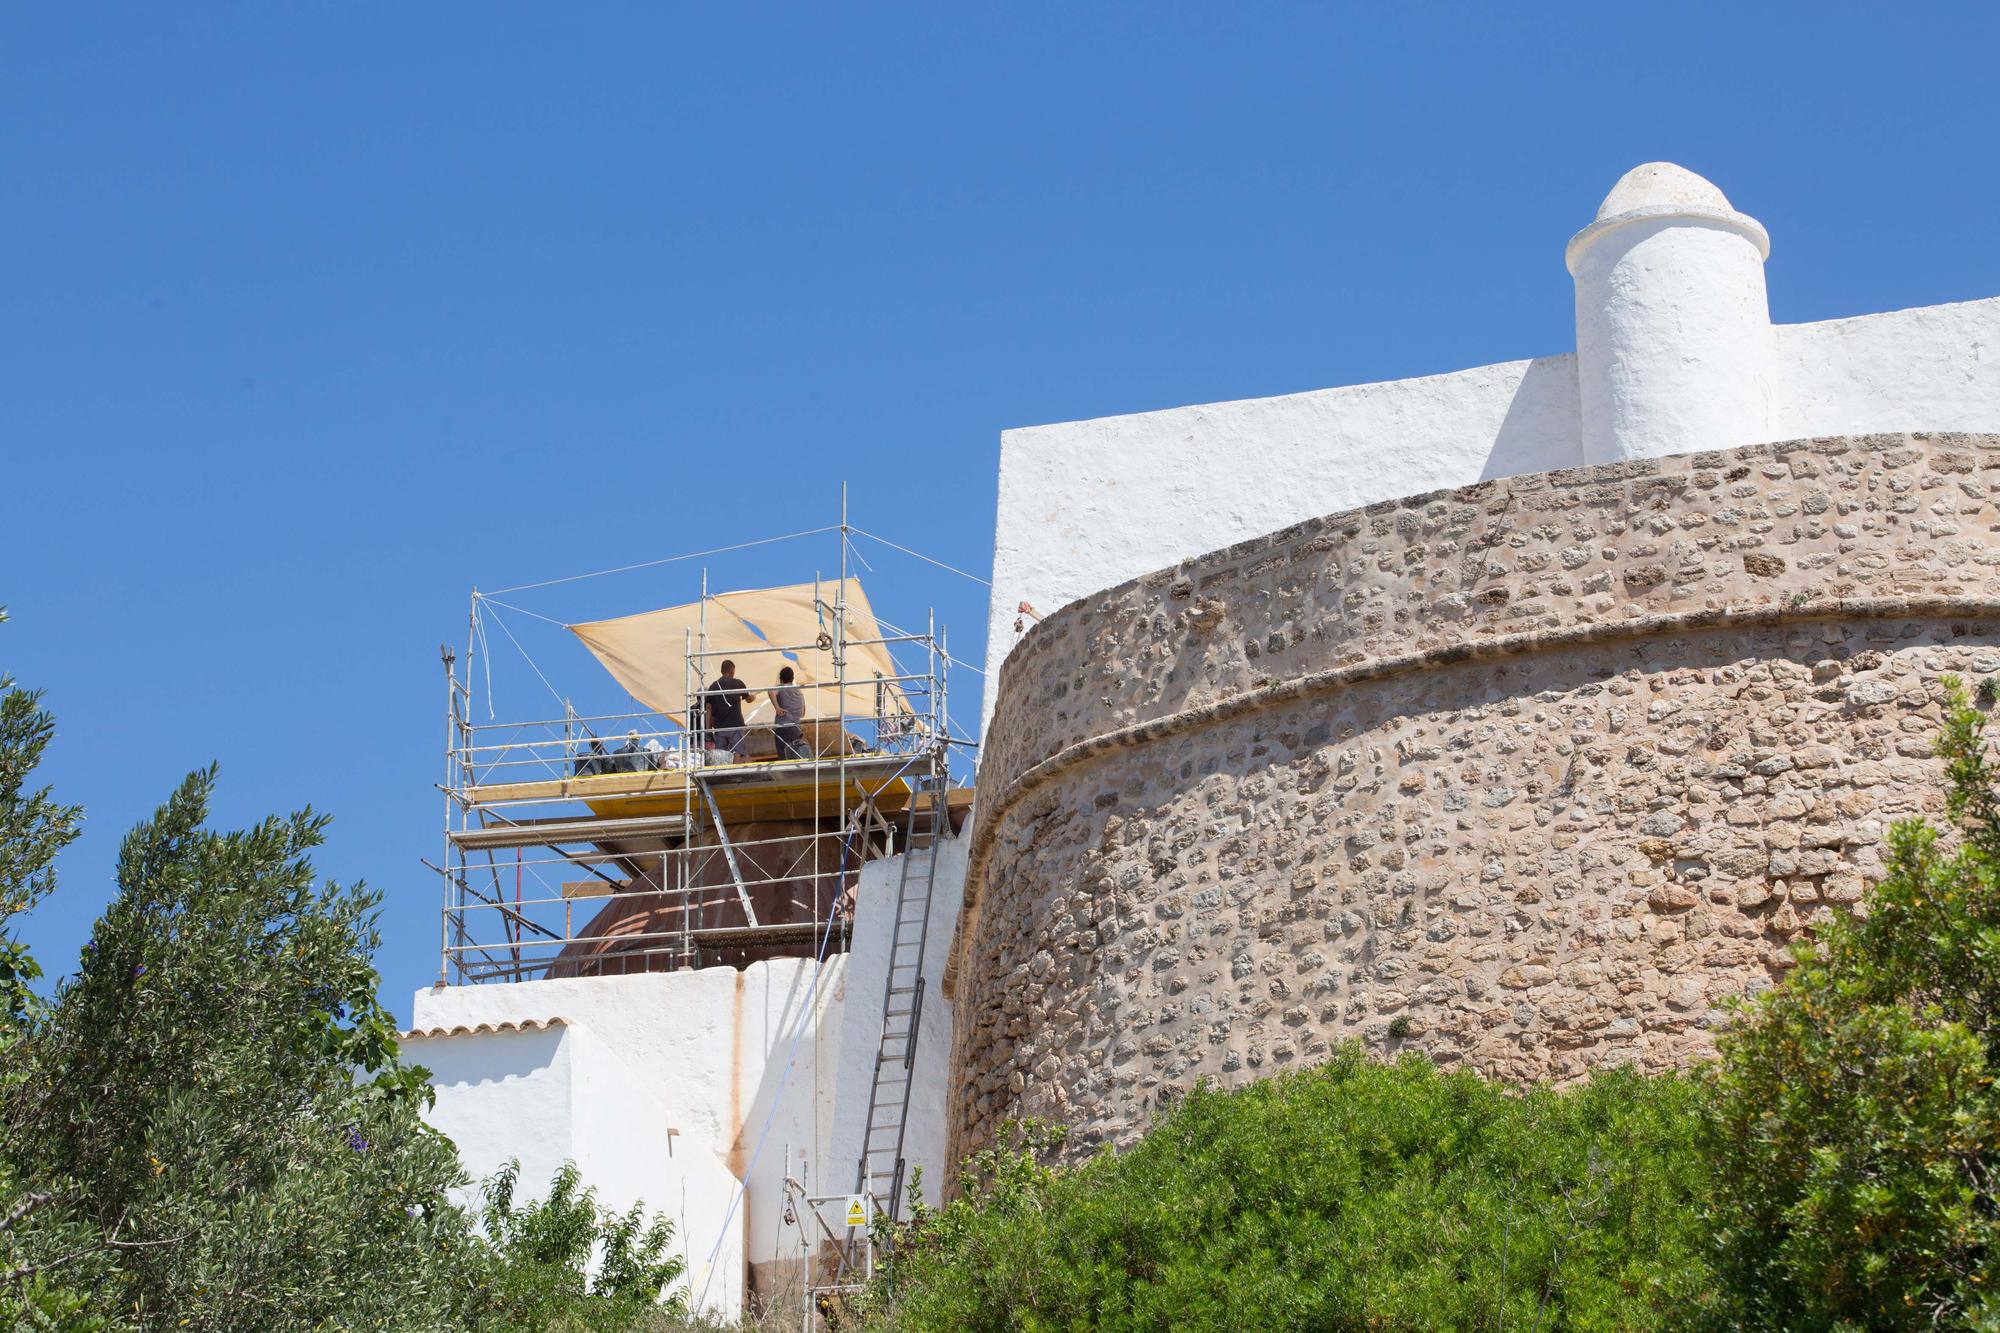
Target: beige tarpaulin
648, 652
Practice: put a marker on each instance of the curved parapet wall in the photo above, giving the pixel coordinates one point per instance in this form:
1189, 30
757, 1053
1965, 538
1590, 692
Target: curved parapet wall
1525, 775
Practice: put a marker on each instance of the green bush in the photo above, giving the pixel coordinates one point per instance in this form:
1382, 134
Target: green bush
533, 1272
1835, 1169
1356, 1195
1856, 1126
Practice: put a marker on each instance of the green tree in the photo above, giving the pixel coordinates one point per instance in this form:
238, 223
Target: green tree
217, 1095
210, 1128
537, 1260
1357, 1195
1856, 1122
39, 1252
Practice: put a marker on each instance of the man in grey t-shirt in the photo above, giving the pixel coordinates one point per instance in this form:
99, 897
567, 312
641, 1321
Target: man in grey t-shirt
788, 704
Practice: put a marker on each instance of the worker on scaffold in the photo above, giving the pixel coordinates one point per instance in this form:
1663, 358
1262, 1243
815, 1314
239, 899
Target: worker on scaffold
722, 708
788, 707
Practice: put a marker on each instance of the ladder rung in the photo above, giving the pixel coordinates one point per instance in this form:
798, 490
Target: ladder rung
881, 1163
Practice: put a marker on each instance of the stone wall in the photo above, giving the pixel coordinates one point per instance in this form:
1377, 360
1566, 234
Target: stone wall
1526, 775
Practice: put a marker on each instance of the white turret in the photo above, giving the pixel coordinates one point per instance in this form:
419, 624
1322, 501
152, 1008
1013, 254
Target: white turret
1674, 346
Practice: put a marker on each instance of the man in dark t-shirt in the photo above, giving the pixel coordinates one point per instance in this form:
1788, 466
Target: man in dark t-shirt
722, 706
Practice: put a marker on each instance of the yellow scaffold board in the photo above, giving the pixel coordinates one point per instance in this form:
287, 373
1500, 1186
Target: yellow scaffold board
744, 791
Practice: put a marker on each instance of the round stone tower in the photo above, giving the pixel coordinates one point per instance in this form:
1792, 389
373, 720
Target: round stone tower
1528, 776
1674, 345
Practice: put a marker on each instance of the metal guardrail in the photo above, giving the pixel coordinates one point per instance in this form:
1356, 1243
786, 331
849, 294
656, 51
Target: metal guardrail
752, 856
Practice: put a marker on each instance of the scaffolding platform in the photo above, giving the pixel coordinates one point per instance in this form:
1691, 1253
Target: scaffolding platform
751, 788
697, 831
585, 845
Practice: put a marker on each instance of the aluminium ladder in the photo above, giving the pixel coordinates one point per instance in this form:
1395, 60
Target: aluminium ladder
879, 1174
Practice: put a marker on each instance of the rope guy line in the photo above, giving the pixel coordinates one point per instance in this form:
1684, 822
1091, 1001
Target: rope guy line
671, 559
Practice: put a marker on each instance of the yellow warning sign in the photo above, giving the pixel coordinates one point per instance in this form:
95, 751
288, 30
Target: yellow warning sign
857, 1210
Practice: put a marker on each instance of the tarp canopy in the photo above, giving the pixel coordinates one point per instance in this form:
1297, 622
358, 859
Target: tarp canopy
649, 652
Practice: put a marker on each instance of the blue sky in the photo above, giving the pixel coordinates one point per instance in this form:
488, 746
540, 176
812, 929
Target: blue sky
313, 317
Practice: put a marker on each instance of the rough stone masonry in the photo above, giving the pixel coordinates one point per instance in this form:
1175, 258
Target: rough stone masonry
1527, 775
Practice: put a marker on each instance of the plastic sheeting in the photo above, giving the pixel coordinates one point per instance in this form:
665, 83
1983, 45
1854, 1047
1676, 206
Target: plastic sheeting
649, 653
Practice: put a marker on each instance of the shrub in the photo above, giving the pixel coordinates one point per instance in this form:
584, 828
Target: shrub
1856, 1126
1357, 1195
538, 1255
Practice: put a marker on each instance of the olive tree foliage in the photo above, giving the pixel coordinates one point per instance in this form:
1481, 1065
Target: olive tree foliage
208, 1125
218, 1093
1855, 1118
39, 1250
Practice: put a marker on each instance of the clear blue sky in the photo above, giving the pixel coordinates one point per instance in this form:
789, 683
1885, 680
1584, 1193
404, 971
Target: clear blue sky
314, 316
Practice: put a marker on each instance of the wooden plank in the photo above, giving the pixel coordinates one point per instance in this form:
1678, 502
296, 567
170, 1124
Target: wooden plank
557, 832
764, 790
578, 788
794, 801
791, 778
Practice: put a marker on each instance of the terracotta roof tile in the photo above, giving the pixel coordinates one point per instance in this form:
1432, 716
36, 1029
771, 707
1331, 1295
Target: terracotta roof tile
473, 1030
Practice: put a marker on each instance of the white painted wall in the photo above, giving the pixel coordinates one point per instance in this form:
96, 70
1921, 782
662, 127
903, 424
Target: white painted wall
860, 1036
1932, 368
711, 1047
556, 1094
724, 1057
1086, 505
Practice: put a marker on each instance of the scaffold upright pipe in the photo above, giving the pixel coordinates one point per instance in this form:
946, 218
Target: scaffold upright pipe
444, 860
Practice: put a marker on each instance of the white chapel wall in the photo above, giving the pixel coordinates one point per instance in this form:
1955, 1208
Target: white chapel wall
544, 1096
860, 1037
720, 1056
1932, 368
711, 1048
1677, 355
1085, 505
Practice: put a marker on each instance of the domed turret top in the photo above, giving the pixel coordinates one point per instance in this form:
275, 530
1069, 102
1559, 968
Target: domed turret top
1653, 184
1660, 191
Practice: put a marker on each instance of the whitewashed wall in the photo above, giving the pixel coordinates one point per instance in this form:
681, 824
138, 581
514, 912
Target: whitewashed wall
722, 1056
1085, 505
544, 1096
711, 1048
860, 1036
1932, 368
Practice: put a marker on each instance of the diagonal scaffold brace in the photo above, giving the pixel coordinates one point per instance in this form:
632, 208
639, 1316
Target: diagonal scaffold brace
728, 850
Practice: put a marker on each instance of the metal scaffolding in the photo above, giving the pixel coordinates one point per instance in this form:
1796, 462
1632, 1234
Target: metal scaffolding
605, 843
618, 842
